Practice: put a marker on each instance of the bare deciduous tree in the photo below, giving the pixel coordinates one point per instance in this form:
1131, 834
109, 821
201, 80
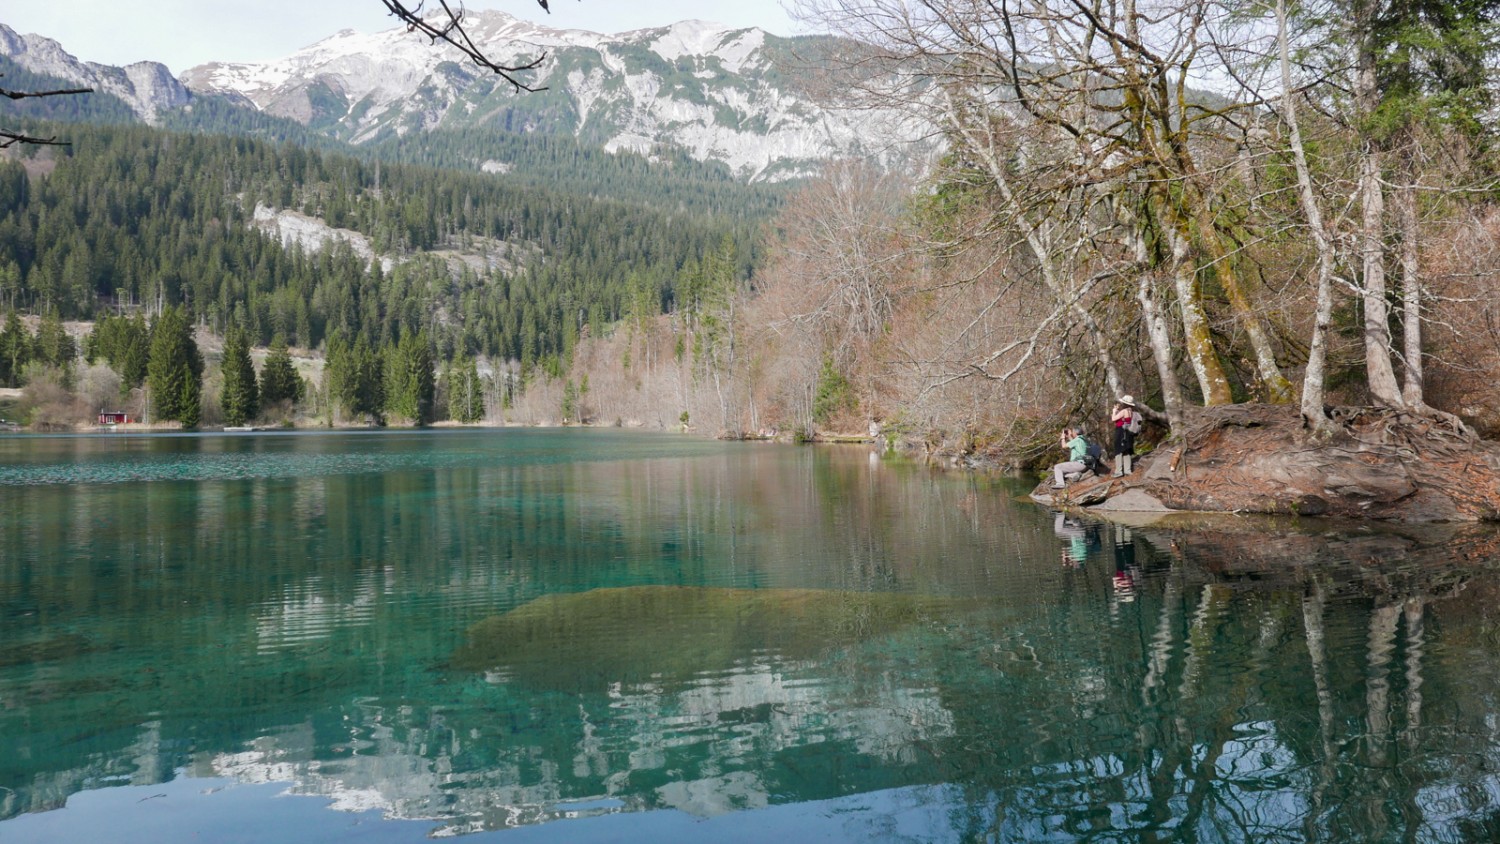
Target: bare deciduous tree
1110, 169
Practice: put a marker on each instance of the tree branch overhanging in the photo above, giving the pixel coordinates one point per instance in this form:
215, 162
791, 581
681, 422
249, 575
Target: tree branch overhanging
9, 138
451, 31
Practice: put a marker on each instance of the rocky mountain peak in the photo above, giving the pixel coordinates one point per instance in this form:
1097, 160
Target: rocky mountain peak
147, 87
715, 92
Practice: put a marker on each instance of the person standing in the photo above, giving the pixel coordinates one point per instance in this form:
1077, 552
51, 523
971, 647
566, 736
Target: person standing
1077, 447
1127, 422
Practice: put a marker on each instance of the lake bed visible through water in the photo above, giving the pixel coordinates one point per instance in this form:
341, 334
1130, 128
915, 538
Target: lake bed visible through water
602, 635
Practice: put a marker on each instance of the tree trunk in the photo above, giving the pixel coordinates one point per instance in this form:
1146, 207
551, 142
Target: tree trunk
1412, 391
1278, 390
1199, 343
1317, 356
1379, 372
1161, 349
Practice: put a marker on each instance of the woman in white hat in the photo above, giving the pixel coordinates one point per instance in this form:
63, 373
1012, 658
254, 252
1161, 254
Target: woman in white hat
1127, 423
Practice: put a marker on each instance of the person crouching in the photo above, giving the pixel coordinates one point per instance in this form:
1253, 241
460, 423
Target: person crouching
1077, 447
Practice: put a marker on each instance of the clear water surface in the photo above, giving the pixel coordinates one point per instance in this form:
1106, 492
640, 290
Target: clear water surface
563, 635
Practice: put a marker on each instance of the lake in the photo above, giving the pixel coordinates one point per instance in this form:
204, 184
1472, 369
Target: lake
601, 635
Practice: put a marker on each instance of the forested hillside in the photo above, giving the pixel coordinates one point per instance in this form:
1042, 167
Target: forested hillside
129, 216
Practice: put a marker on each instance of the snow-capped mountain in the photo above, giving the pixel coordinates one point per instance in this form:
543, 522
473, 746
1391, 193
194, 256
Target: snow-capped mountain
716, 94
147, 87
719, 94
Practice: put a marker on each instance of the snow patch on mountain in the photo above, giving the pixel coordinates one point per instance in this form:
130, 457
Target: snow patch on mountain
721, 102
734, 47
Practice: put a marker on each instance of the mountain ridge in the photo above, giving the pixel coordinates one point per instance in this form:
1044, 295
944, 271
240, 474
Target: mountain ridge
732, 95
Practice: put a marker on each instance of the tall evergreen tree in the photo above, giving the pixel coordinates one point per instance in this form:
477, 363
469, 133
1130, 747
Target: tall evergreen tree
279, 380
134, 352
240, 398
369, 379
355, 377
15, 350
124, 343
410, 381
53, 345
174, 371
465, 392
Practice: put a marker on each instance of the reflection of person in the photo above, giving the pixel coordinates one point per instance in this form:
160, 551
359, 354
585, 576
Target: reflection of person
1125, 570
1076, 549
1077, 447
1122, 417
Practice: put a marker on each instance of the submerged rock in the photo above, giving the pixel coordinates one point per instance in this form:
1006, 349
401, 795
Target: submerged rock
639, 634
1134, 500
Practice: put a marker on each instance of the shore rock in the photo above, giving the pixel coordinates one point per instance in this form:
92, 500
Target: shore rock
1253, 458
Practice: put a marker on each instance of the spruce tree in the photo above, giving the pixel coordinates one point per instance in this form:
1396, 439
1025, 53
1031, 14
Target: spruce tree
53, 345
355, 377
133, 352
368, 381
465, 392
279, 381
410, 384
240, 398
15, 350
337, 374
175, 369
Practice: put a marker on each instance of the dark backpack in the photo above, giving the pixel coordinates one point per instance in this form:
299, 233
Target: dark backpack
1093, 458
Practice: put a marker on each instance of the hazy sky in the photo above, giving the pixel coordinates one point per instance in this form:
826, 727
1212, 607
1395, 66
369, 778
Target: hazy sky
184, 33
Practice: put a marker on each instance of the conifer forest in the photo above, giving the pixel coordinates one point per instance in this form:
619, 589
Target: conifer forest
1199, 203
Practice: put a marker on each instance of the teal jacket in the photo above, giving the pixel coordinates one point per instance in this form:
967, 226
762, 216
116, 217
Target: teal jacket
1077, 448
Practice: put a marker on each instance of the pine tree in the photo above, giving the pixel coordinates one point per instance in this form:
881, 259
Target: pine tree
279, 381
410, 383
240, 398
174, 371
53, 345
355, 377
465, 392
15, 350
369, 384
134, 351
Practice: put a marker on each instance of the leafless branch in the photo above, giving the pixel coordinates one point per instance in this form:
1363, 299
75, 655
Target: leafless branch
450, 30
22, 95
10, 139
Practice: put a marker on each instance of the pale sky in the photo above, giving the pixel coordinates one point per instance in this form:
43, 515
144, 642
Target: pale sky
185, 33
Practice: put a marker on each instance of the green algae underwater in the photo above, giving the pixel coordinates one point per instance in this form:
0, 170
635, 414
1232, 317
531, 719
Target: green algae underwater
604, 636
584, 642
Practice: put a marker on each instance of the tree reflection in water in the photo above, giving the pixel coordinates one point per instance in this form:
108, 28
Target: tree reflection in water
487, 636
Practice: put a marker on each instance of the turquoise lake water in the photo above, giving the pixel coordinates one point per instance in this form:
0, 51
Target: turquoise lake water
578, 635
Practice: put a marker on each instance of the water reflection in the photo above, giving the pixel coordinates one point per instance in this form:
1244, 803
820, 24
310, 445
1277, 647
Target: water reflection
493, 636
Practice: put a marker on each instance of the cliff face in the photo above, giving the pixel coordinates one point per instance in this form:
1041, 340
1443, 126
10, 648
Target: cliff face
1380, 464
737, 96
147, 87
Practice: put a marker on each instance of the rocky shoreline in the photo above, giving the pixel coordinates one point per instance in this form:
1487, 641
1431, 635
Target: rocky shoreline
1254, 458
